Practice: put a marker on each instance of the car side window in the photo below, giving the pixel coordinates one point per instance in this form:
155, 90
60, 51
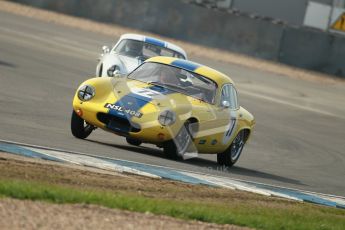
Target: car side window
229, 94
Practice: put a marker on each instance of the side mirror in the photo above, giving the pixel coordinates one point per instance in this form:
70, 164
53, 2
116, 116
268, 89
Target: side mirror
225, 104
105, 49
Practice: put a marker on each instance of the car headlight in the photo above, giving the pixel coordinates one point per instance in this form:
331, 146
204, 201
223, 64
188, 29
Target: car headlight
86, 92
167, 117
113, 70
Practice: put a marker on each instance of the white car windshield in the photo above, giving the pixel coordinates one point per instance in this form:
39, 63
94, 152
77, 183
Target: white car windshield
144, 50
176, 79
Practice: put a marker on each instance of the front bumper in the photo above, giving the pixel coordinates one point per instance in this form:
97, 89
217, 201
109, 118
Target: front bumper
147, 128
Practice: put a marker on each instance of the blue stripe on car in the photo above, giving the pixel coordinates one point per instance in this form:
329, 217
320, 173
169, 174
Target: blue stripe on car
130, 101
188, 65
161, 89
155, 41
134, 102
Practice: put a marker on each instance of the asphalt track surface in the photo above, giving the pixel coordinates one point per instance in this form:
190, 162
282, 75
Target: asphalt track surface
299, 140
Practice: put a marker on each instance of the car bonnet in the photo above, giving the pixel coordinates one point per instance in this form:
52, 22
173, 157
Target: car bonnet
139, 98
129, 63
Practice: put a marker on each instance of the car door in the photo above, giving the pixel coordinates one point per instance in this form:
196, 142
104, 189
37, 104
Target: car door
227, 114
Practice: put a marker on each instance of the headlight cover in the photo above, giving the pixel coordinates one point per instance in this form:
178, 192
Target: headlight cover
112, 70
86, 92
167, 117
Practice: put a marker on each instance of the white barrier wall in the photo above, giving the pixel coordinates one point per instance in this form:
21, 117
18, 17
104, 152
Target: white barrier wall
322, 16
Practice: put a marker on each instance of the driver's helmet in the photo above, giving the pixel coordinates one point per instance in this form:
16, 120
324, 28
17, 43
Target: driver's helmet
134, 48
167, 76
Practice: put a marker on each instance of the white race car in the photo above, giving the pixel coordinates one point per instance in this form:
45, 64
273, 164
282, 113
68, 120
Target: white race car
130, 51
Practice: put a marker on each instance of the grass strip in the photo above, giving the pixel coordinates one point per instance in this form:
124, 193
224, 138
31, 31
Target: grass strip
275, 217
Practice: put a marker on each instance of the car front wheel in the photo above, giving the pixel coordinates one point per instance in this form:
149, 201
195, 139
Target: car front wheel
80, 128
132, 141
231, 155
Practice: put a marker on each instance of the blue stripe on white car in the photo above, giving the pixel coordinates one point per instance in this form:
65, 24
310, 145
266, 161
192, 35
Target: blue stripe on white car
155, 41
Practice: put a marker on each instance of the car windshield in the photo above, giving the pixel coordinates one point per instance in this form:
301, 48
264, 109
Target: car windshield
176, 79
144, 50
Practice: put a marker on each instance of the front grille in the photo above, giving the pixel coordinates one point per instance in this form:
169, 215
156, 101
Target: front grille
118, 124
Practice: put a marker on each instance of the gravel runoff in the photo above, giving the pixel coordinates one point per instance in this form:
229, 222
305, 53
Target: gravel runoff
191, 49
25, 214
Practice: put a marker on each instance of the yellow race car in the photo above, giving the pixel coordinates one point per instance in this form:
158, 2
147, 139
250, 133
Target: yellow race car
178, 105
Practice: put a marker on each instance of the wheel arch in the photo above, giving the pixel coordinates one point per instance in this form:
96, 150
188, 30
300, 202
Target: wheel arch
195, 124
247, 133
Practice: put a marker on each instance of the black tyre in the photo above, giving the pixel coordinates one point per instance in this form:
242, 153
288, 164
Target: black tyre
80, 129
231, 155
132, 141
176, 148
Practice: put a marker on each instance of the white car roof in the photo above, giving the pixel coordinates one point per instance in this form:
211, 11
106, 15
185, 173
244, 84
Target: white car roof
154, 41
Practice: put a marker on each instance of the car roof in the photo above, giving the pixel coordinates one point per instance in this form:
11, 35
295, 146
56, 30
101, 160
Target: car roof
154, 41
203, 70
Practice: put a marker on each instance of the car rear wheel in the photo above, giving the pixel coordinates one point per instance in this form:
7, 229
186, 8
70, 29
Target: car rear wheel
231, 155
132, 141
176, 148
80, 128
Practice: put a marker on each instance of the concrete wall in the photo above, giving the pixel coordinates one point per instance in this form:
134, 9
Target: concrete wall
178, 20
313, 49
303, 48
300, 47
291, 11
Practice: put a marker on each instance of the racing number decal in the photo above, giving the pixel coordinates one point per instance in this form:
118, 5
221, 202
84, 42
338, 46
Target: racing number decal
145, 92
228, 134
130, 104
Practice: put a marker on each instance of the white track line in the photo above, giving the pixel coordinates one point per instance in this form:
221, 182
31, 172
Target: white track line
92, 162
181, 170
